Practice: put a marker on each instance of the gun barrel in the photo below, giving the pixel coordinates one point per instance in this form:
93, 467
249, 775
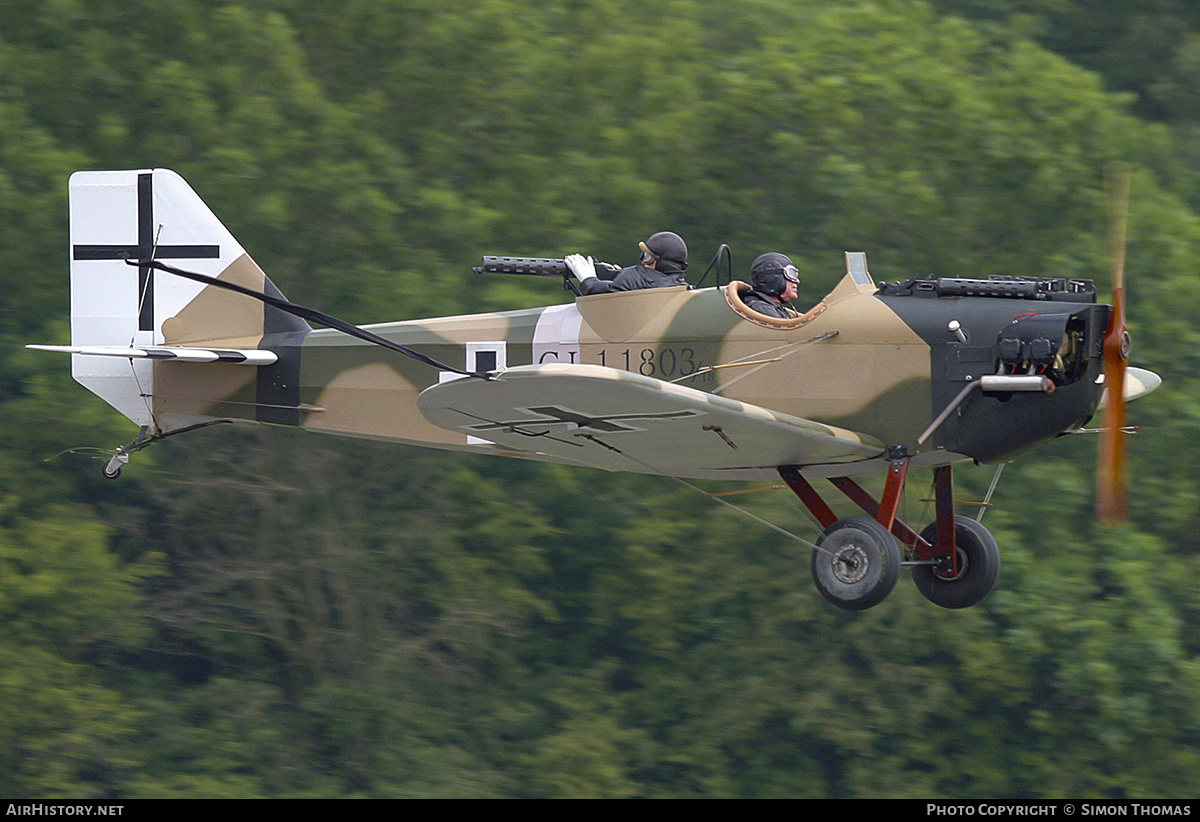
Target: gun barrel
537, 266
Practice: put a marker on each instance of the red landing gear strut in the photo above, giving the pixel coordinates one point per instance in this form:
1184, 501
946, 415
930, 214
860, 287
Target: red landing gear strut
955, 561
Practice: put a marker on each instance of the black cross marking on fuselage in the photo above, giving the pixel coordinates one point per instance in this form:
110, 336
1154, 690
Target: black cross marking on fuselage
145, 251
553, 415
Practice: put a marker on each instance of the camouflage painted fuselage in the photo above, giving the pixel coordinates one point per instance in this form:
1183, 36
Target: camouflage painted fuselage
879, 364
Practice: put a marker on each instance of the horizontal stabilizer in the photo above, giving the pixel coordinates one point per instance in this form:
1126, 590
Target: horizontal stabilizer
237, 356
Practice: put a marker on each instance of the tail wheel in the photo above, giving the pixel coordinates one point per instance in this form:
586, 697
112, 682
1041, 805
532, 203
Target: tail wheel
978, 567
856, 563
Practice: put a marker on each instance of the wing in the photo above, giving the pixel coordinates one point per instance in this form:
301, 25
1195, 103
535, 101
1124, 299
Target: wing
620, 421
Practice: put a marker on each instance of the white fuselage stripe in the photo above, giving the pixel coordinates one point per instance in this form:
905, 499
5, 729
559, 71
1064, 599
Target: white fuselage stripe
556, 336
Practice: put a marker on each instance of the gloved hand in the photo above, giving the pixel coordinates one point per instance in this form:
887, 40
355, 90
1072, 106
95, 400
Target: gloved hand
582, 267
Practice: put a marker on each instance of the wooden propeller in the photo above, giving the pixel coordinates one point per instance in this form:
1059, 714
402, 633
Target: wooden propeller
1112, 497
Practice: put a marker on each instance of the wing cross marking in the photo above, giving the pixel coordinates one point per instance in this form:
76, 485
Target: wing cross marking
606, 423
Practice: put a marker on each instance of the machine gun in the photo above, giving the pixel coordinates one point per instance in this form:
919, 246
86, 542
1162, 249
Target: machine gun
535, 266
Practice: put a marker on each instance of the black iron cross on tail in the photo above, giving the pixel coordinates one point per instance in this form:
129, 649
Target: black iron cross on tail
145, 250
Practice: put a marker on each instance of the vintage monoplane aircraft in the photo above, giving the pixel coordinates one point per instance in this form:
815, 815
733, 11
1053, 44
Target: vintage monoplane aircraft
174, 325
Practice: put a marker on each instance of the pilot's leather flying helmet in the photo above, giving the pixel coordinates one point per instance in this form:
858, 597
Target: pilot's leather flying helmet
771, 272
668, 249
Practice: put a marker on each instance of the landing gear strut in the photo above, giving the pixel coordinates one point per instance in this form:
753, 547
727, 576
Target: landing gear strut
955, 561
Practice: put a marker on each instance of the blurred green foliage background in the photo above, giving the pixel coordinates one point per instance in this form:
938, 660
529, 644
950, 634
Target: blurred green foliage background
266, 613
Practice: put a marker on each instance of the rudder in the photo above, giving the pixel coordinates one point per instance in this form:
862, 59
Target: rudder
122, 217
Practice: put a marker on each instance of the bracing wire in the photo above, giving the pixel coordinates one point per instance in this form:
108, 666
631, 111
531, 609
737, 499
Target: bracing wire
312, 315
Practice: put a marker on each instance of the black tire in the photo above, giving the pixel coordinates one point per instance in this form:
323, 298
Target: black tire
856, 563
978, 567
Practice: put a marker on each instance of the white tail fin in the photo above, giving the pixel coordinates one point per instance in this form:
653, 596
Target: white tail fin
119, 217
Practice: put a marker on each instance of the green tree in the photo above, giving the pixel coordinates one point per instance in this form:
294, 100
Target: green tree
71, 611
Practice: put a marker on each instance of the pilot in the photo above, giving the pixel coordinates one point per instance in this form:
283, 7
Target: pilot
774, 281
663, 263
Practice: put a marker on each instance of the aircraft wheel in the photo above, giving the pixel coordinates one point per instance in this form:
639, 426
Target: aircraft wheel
856, 563
112, 468
978, 567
